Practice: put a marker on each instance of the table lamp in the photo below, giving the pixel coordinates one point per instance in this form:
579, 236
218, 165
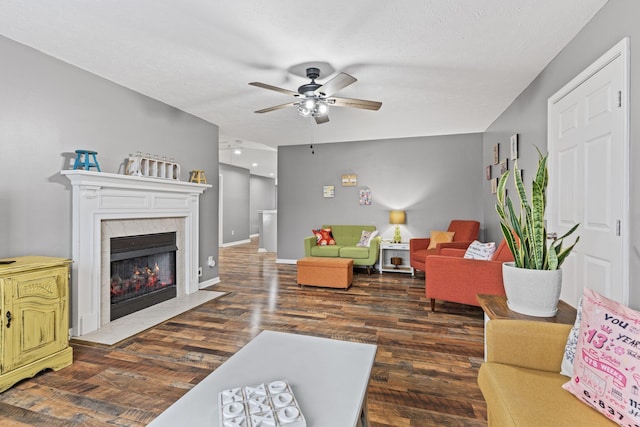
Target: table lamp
397, 218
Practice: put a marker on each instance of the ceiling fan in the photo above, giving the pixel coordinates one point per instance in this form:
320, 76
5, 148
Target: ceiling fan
313, 99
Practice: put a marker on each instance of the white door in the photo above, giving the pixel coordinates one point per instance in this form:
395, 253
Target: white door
588, 176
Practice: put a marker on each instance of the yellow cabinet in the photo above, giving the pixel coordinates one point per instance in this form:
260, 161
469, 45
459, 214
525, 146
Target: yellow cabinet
34, 317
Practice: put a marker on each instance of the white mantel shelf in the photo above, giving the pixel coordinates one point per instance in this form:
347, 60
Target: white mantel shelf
106, 197
114, 180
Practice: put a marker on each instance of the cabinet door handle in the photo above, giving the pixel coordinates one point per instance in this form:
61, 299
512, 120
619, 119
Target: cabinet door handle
8, 319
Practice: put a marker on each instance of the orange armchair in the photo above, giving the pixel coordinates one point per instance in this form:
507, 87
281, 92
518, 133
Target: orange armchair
450, 277
465, 232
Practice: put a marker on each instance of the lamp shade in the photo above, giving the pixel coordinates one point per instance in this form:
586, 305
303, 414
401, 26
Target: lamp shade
397, 217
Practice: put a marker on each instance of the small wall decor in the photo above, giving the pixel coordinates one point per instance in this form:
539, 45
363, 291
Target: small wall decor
494, 186
513, 142
328, 191
349, 180
496, 154
488, 172
504, 166
365, 196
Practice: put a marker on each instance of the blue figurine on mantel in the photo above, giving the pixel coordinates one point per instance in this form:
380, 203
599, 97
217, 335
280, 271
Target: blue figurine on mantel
83, 161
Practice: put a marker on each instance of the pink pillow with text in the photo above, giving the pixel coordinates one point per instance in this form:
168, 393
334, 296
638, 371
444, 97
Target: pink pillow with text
606, 366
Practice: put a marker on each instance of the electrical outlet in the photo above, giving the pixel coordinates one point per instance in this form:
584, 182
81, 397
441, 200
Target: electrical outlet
199, 271
233, 232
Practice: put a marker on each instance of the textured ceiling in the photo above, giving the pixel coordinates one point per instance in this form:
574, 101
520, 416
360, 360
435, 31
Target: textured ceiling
438, 66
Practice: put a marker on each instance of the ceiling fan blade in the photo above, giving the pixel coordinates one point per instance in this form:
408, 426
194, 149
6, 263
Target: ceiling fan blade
337, 83
321, 119
355, 103
276, 107
274, 88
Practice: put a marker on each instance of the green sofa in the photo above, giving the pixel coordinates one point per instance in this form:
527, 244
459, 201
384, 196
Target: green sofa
346, 237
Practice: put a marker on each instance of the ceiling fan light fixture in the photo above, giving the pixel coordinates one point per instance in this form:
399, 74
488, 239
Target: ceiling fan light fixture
304, 112
322, 108
312, 107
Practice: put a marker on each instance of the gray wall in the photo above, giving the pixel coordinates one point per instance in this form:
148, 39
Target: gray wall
435, 179
262, 196
528, 114
48, 109
235, 206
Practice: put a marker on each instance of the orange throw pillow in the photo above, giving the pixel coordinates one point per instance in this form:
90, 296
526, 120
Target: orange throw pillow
324, 237
440, 237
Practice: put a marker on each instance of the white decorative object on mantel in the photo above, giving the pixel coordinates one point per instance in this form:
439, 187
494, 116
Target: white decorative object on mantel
140, 165
100, 197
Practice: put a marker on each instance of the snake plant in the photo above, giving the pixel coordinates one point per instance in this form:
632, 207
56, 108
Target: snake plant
525, 232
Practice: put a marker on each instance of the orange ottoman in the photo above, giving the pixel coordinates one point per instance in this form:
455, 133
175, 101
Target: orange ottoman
327, 272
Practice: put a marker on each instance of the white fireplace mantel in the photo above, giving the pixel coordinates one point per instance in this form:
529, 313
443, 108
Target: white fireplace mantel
98, 197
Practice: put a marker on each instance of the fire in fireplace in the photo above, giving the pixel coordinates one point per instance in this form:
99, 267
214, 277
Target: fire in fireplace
143, 272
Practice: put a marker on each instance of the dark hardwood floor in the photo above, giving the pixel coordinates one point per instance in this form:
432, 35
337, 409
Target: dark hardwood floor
424, 374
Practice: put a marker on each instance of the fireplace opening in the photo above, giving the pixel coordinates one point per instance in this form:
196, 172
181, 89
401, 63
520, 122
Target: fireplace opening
143, 272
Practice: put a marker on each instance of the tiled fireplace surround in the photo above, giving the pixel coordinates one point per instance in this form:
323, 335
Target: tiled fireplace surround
110, 205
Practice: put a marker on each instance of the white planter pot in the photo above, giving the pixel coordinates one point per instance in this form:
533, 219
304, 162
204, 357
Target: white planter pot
532, 292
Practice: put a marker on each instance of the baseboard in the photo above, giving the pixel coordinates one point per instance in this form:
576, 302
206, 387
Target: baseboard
209, 282
239, 242
251, 236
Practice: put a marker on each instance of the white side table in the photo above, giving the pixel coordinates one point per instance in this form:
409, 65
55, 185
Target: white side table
388, 250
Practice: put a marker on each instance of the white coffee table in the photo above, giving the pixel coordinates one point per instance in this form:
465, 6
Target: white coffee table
328, 377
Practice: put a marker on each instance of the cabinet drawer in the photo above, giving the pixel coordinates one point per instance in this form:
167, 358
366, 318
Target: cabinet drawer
48, 284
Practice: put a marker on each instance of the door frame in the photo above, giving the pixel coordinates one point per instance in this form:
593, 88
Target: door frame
621, 49
220, 210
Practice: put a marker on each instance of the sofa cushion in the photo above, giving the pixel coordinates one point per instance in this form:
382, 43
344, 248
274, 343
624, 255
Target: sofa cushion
440, 237
324, 236
328, 251
420, 255
354, 252
606, 357
479, 250
531, 398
